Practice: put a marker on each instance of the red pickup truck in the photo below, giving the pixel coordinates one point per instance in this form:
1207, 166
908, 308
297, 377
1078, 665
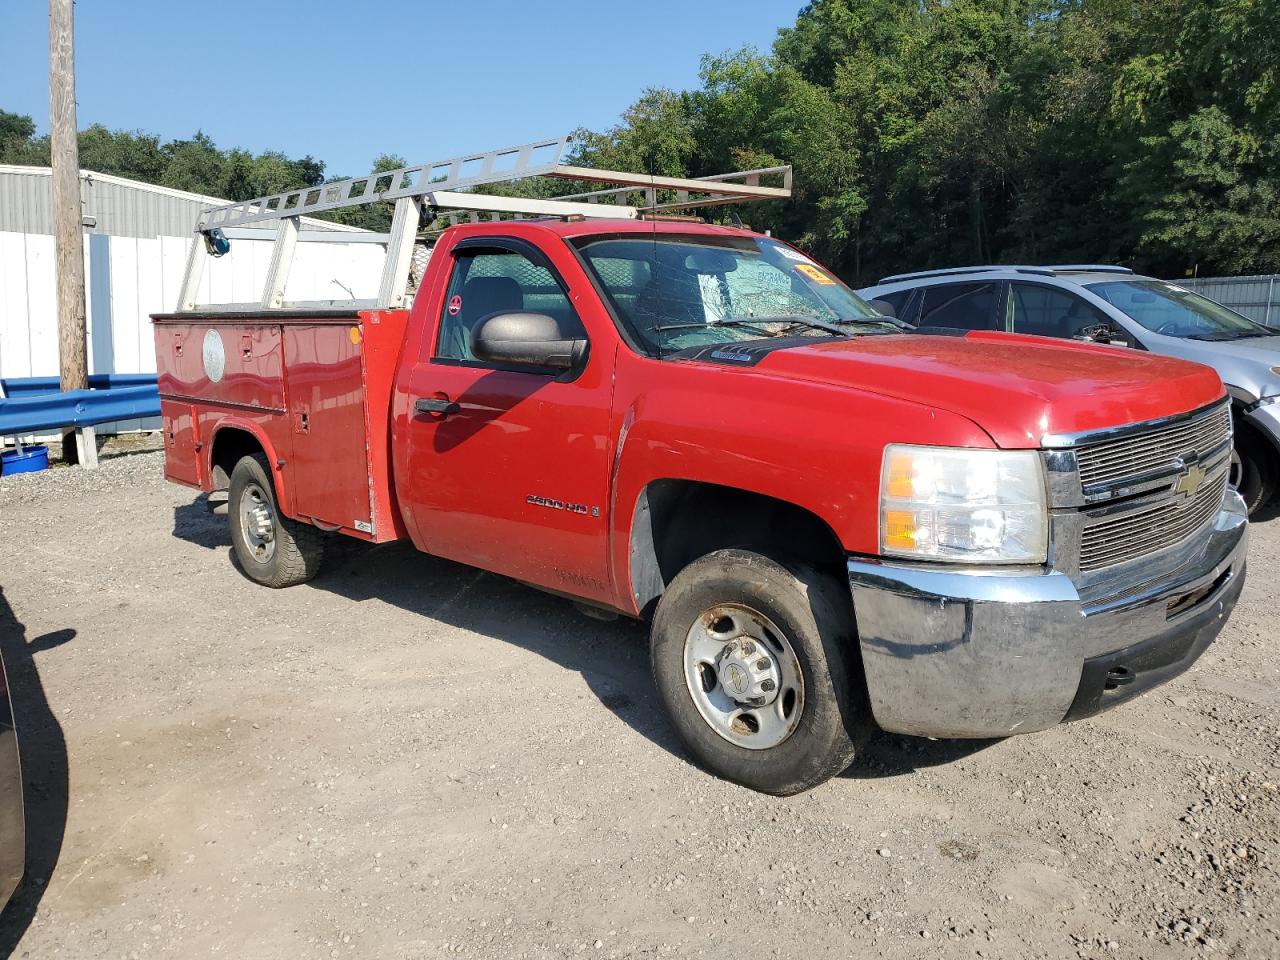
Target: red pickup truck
833, 523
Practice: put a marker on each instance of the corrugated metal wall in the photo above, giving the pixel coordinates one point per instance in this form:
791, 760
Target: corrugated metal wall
119, 207
1258, 298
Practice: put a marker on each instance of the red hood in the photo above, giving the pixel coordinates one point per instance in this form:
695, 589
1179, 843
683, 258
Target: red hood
1017, 388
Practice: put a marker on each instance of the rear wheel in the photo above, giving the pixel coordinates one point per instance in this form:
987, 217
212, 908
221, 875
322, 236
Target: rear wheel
1253, 468
271, 548
756, 662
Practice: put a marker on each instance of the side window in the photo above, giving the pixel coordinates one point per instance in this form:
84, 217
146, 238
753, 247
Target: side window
963, 306
498, 281
1049, 312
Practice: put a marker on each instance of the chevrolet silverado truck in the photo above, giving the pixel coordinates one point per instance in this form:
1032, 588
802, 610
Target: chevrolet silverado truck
833, 523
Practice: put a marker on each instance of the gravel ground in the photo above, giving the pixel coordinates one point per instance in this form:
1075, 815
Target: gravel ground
411, 759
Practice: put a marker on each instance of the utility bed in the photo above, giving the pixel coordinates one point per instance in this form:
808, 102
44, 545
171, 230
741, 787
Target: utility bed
316, 384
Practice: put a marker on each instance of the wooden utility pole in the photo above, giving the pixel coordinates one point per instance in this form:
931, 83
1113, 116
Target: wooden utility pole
68, 240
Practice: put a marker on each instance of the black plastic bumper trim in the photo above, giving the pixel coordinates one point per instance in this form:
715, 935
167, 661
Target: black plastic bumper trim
1113, 678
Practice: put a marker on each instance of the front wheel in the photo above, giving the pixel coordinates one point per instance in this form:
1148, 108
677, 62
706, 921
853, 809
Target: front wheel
271, 548
756, 662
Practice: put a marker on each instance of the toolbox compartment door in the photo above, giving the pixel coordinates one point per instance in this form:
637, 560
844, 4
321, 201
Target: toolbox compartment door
181, 442
329, 468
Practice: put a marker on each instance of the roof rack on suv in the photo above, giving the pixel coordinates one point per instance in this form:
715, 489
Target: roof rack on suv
958, 271
1047, 271
1088, 268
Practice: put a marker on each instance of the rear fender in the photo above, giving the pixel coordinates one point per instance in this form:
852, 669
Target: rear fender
284, 493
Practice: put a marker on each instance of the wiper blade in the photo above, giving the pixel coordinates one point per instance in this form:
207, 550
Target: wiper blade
891, 321
663, 328
793, 319
788, 320
813, 322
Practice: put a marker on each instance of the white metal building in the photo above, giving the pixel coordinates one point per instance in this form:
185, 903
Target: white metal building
137, 236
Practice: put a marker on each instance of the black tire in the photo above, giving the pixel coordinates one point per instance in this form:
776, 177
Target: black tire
813, 609
298, 547
1255, 468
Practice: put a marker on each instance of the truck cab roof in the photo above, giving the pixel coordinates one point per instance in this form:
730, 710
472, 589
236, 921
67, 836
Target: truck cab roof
573, 228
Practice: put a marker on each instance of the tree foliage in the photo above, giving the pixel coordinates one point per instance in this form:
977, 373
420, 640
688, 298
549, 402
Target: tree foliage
925, 133
197, 165
929, 133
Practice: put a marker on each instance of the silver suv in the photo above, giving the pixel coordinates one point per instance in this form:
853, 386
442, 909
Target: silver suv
1113, 305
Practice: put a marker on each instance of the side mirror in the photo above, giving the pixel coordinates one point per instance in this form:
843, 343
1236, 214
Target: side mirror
1101, 333
883, 307
526, 340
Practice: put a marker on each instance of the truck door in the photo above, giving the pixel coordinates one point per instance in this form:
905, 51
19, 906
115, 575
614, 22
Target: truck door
510, 470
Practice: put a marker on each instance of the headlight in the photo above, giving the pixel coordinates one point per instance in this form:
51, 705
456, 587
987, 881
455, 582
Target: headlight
974, 506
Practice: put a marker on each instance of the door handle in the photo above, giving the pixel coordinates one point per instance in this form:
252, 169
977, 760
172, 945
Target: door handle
440, 405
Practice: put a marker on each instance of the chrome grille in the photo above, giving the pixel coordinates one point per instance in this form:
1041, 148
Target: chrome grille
1128, 458
1144, 530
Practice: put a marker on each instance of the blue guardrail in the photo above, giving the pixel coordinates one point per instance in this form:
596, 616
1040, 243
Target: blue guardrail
13, 387
29, 412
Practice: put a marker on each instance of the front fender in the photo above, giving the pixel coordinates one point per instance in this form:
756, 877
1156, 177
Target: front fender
816, 446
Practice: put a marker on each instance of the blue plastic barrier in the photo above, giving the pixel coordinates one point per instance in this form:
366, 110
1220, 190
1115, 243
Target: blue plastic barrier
40, 386
77, 408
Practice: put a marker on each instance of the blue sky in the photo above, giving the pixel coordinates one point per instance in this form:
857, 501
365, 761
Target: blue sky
345, 82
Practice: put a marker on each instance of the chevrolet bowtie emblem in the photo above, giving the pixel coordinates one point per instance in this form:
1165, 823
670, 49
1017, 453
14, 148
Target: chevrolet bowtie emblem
1190, 481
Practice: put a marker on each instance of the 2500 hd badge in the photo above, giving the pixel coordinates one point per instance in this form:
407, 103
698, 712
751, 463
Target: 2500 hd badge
553, 504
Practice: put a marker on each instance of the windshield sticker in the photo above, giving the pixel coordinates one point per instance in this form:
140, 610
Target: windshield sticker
455, 305
790, 254
814, 274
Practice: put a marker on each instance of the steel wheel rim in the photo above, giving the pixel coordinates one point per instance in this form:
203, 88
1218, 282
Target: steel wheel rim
713, 649
258, 523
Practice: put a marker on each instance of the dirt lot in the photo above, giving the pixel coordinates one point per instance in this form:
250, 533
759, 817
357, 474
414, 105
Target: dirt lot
410, 759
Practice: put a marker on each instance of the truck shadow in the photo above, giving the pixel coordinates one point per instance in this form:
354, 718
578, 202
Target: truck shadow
45, 776
194, 523
895, 755
612, 657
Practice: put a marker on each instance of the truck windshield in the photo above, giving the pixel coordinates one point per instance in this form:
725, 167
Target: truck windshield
1168, 309
676, 292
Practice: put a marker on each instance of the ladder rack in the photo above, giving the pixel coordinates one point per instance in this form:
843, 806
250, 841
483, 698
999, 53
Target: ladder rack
443, 191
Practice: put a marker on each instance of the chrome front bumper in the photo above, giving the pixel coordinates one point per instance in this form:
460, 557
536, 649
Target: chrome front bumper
996, 651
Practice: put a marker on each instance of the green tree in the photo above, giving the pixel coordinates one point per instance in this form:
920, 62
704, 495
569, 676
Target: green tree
373, 216
19, 143
132, 154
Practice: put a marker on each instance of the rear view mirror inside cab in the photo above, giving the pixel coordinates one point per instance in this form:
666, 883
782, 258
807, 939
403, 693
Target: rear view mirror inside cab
711, 261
